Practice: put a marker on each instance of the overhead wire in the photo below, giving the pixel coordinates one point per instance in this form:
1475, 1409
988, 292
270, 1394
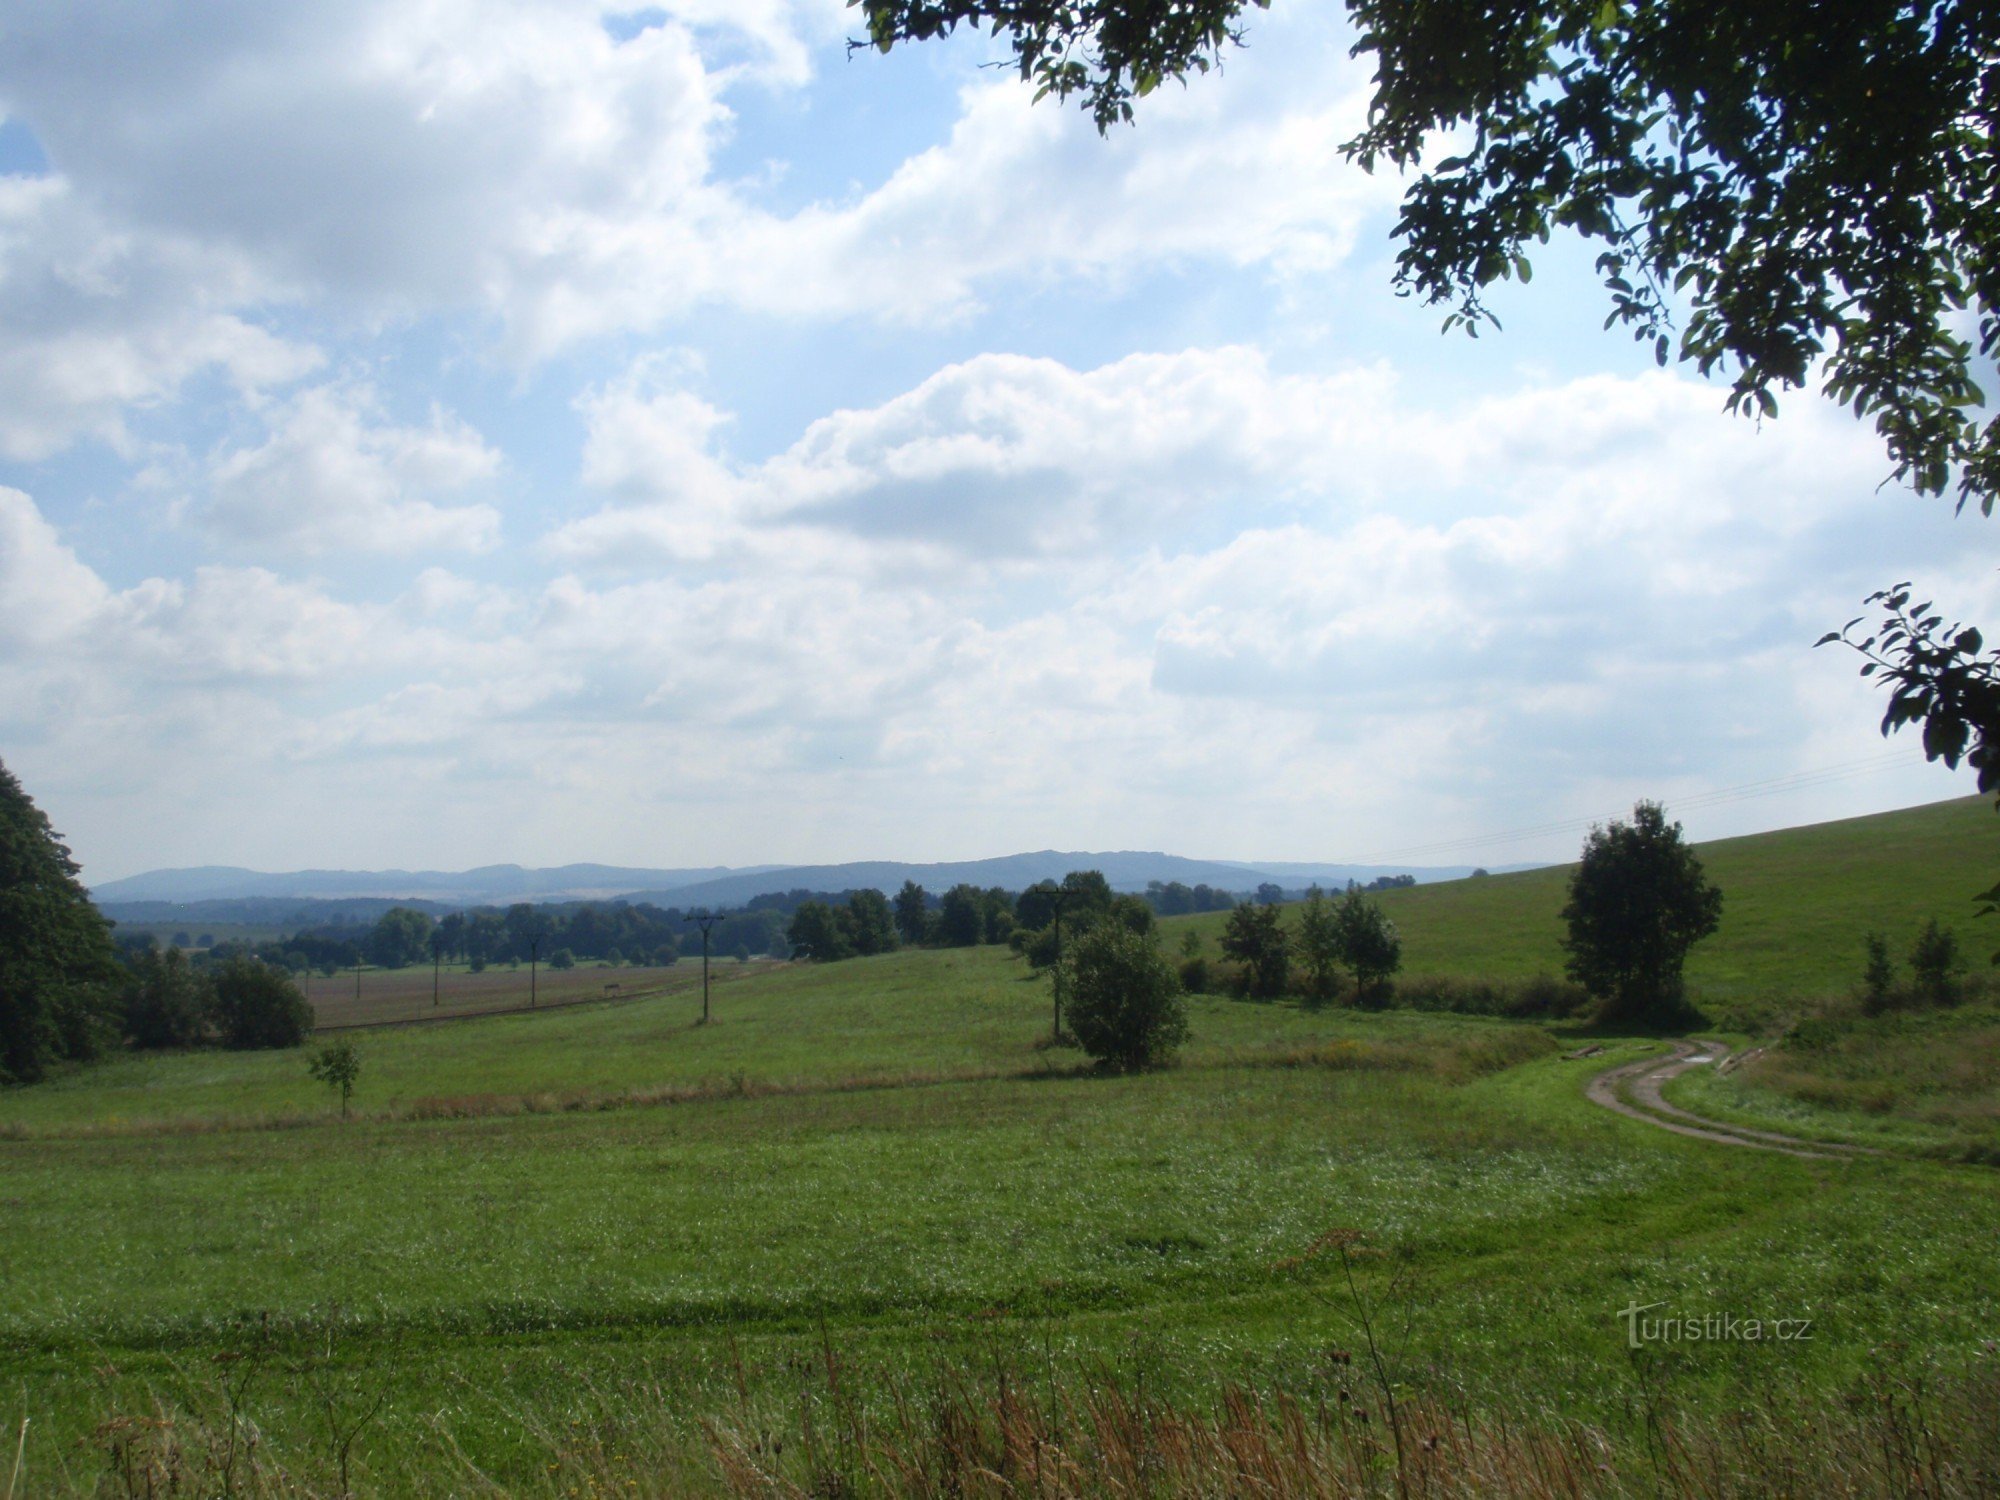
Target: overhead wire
1719, 797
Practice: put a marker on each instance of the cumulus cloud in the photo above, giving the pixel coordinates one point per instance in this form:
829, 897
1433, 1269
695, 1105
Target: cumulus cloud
97, 321
335, 475
556, 168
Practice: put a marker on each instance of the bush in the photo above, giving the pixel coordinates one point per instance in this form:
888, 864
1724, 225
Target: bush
259, 1006
1878, 975
1935, 965
562, 958
1194, 975
1123, 998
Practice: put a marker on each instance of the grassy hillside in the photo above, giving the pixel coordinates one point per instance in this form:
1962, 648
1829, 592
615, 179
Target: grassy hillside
1795, 905
868, 1218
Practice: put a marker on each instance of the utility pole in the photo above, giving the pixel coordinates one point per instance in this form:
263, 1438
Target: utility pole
706, 921
437, 973
534, 958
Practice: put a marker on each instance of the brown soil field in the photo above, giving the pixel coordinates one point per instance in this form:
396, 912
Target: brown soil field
394, 996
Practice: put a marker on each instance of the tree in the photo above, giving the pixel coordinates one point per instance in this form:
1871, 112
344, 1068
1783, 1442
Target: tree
817, 929
912, 912
338, 1067
1638, 901
259, 1006
1123, 999
562, 958
167, 1004
1319, 947
58, 971
869, 924
962, 917
400, 937
1368, 943
1269, 894
1253, 937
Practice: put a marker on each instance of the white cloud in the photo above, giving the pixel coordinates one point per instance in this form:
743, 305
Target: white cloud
96, 321
334, 475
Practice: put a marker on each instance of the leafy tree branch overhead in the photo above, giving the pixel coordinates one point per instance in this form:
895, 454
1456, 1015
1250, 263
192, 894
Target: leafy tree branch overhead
1817, 182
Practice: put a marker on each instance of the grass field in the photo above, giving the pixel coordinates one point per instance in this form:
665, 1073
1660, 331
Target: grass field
1796, 905
866, 1233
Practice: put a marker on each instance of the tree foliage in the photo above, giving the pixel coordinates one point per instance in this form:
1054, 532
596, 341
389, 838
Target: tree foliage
167, 1004
1638, 901
1818, 184
1368, 943
1254, 937
259, 1006
1121, 997
338, 1067
58, 971
1317, 941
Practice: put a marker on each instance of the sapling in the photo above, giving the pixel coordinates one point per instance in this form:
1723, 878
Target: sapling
337, 1067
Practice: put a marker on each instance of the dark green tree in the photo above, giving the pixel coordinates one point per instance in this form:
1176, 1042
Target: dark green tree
1368, 944
59, 974
401, 937
962, 917
912, 912
1254, 938
1638, 901
816, 929
869, 923
259, 1006
167, 1004
1319, 947
1121, 997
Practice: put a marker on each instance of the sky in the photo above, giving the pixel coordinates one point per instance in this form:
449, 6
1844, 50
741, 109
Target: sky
438, 433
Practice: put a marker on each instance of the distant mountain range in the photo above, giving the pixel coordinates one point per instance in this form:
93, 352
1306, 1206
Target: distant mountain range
211, 887
487, 885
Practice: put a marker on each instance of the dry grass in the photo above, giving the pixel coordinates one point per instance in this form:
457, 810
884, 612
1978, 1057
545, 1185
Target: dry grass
989, 1434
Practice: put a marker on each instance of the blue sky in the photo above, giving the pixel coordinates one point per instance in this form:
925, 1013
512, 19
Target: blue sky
449, 433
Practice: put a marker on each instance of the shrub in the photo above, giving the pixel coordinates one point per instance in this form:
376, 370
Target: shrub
1123, 998
1878, 975
562, 958
1194, 975
259, 1006
1935, 965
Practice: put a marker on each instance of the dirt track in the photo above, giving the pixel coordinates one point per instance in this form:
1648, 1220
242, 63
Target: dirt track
1633, 1090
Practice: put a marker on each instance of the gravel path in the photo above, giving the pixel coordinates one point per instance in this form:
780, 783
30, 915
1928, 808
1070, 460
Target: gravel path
1633, 1090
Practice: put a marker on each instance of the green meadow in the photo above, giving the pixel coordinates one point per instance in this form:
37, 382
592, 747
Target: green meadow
868, 1213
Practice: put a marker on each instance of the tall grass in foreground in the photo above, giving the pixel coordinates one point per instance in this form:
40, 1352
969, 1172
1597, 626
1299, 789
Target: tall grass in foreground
996, 1431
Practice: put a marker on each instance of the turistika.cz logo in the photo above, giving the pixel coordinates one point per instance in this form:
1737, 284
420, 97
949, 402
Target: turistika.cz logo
1708, 1328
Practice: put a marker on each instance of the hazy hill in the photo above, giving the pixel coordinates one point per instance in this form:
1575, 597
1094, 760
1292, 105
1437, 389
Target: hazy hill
495, 885
227, 893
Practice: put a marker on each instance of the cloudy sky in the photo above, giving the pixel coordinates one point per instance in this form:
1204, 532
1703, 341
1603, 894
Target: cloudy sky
436, 433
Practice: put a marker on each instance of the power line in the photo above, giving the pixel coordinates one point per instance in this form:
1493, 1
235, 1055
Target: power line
1700, 801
